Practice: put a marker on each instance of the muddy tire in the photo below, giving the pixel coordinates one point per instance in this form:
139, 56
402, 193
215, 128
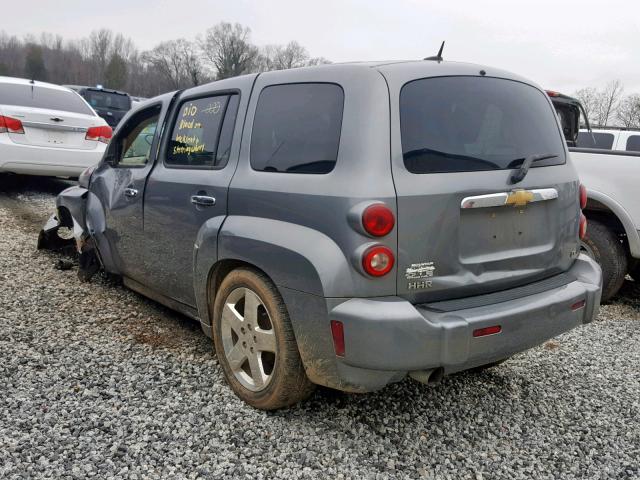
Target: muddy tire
255, 344
604, 246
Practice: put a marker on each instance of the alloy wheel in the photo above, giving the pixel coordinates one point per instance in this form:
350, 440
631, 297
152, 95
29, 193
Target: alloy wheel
248, 339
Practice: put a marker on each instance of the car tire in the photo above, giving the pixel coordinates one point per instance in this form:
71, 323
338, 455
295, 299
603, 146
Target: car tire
604, 246
257, 348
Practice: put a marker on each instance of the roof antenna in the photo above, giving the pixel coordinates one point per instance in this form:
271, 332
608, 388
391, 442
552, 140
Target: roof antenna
438, 58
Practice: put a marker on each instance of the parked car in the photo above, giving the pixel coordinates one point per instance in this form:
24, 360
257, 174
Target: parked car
345, 225
612, 238
46, 129
111, 105
607, 161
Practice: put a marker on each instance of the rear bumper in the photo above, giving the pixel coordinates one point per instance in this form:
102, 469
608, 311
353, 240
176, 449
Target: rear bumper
31, 160
388, 337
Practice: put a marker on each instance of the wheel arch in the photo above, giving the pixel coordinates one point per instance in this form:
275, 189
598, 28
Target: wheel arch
606, 210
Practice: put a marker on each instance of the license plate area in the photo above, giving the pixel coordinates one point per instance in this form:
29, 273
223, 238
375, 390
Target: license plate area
496, 233
56, 138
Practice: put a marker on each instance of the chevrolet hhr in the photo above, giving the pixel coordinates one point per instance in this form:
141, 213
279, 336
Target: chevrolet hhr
344, 225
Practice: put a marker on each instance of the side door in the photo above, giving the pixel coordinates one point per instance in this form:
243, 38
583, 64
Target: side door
188, 186
119, 184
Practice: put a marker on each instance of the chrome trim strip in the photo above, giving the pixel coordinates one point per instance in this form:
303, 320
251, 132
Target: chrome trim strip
51, 126
500, 199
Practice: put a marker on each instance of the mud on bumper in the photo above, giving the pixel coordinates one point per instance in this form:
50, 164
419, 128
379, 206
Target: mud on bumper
386, 338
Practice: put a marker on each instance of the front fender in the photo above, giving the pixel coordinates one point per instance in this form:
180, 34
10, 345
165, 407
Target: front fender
73, 200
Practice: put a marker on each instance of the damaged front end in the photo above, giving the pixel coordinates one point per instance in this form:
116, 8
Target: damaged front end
66, 232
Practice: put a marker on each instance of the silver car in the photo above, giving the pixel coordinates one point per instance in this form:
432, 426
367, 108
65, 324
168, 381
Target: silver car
344, 225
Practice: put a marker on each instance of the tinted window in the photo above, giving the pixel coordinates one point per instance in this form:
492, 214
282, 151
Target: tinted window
196, 130
107, 100
297, 128
633, 143
42, 97
603, 141
456, 124
135, 139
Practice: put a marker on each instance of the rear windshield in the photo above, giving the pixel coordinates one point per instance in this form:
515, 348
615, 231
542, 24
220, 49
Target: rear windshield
42, 97
107, 100
460, 124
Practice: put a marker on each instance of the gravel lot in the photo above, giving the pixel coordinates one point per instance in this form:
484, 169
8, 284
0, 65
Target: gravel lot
99, 382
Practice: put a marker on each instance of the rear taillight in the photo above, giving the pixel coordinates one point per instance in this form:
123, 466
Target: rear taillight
378, 220
99, 134
583, 226
378, 260
583, 197
10, 125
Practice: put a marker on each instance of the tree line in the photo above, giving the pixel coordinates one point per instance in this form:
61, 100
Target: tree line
222, 51
112, 60
610, 106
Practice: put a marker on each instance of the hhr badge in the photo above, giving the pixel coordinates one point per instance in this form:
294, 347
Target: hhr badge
419, 275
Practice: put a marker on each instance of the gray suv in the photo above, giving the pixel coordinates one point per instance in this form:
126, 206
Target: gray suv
344, 225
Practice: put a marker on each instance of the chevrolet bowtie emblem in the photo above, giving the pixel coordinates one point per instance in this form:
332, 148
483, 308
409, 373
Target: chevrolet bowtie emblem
519, 198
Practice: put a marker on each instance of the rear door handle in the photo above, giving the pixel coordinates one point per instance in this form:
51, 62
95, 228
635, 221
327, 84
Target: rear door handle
203, 200
130, 192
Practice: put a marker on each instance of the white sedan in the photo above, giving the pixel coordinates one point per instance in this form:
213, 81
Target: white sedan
49, 130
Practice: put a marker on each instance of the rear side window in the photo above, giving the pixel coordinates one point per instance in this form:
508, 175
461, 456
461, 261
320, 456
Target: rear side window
297, 128
107, 100
603, 141
42, 97
458, 124
633, 143
201, 136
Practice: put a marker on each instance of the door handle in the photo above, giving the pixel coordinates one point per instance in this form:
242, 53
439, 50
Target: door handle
203, 200
130, 192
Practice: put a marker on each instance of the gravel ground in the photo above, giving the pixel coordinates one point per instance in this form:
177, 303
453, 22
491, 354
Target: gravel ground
99, 382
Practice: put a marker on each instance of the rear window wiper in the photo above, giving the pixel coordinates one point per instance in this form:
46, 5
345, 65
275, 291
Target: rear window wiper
519, 174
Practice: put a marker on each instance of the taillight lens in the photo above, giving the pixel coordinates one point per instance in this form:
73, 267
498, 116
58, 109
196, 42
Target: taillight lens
583, 197
378, 260
378, 220
99, 134
10, 125
583, 226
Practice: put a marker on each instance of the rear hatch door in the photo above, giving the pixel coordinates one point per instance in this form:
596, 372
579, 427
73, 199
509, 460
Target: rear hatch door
463, 228
52, 128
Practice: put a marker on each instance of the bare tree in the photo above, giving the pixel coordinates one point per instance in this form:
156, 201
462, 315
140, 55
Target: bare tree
177, 61
608, 102
589, 99
228, 50
629, 111
100, 50
110, 58
279, 57
115, 75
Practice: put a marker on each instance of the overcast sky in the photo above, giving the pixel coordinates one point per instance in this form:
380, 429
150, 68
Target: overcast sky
562, 44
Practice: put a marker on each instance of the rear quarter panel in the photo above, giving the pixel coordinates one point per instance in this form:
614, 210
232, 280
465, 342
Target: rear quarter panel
295, 226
